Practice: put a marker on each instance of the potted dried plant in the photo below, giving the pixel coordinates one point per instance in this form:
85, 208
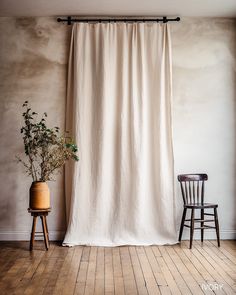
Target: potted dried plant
46, 151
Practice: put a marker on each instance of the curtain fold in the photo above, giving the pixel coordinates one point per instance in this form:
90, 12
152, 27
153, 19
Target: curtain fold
119, 112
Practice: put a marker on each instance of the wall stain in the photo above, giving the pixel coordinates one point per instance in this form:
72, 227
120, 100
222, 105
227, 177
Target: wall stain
31, 65
35, 32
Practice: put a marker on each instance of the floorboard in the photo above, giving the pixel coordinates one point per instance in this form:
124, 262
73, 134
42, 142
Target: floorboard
165, 270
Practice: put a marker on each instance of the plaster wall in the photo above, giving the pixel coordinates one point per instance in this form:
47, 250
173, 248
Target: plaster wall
204, 97
33, 57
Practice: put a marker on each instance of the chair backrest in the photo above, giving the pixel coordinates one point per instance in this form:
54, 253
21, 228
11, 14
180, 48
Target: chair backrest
192, 187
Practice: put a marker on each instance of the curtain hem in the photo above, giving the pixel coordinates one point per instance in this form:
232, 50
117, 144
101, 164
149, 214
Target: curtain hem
120, 244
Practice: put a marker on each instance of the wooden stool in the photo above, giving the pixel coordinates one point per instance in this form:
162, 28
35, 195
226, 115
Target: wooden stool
42, 214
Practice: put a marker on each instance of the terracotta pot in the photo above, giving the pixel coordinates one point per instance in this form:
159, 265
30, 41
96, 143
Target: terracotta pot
39, 195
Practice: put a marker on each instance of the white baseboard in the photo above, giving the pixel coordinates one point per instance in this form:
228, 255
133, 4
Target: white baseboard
25, 236
210, 234
59, 235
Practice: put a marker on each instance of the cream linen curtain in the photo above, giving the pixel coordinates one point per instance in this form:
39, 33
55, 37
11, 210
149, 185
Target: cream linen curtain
119, 111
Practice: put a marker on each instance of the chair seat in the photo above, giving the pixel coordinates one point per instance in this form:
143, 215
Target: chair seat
199, 205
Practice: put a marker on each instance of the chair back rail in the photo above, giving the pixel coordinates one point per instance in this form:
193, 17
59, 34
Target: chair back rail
192, 187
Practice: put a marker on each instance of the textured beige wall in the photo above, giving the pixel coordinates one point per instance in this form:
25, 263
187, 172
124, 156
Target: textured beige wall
33, 56
204, 88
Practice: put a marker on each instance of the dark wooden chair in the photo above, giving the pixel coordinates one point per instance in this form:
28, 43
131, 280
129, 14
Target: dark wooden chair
192, 188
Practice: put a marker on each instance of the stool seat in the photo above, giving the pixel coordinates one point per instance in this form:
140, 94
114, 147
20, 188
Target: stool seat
42, 213
39, 210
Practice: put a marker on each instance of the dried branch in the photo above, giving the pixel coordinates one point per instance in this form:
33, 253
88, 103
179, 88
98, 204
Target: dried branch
46, 149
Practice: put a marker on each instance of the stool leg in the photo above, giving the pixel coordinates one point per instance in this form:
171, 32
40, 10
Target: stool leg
191, 229
202, 225
33, 232
47, 229
217, 226
44, 232
182, 224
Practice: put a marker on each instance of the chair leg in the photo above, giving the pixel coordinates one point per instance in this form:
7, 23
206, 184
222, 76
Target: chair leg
182, 224
217, 226
202, 225
191, 229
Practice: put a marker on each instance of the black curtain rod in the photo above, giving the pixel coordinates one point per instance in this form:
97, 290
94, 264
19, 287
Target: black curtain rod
69, 20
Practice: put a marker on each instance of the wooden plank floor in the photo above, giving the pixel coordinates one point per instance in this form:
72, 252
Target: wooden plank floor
206, 269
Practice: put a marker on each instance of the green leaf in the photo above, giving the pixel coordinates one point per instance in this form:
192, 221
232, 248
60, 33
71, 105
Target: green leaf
76, 158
